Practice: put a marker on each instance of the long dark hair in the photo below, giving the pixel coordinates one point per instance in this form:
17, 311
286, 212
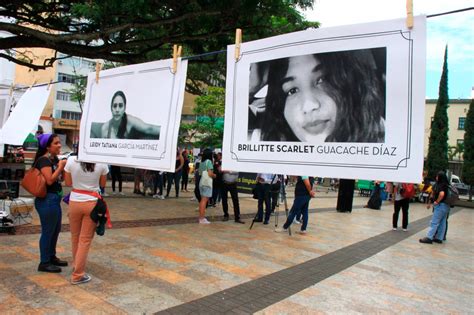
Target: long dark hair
123, 123
42, 149
87, 167
441, 182
206, 155
354, 85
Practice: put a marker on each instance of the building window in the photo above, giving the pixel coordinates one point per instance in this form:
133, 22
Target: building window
70, 115
63, 96
68, 78
461, 122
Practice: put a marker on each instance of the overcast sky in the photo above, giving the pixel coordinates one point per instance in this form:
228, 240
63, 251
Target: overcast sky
456, 30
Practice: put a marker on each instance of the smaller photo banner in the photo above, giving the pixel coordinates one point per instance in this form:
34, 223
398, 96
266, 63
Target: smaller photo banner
132, 114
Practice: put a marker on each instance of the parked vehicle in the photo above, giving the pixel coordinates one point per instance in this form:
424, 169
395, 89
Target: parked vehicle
462, 188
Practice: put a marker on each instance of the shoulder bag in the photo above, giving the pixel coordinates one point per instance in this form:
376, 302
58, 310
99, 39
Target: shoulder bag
34, 182
206, 180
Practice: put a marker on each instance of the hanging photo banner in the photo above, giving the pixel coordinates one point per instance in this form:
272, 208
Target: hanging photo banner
24, 116
131, 116
342, 102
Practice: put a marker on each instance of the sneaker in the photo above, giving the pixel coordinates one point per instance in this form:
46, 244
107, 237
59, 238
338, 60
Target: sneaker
405, 230
121, 194
394, 229
85, 278
106, 194
302, 232
204, 221
156, 196
193, 199
296, 221
161, 197
281, 230
437, 241
225, 218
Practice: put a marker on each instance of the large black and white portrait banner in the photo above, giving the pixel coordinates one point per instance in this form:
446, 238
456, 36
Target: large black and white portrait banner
343, 102
131, 116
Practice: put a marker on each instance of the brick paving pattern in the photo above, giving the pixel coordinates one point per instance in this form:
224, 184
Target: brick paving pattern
252, 296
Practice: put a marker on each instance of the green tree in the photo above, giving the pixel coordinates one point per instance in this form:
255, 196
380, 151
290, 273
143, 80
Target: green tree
207, 130
468, 167
133, 31
437, 159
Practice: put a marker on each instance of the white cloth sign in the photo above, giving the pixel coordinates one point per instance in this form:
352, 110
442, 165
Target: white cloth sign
343, 102
131, 117
24, 116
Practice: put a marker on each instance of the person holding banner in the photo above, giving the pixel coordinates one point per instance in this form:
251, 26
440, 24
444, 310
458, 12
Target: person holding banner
49, 207
326, 97
125, 126
205, 188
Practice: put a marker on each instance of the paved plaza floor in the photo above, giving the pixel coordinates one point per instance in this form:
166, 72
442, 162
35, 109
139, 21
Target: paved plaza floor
157, 259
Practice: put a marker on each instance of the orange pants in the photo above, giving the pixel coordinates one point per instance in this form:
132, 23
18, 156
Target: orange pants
82, 232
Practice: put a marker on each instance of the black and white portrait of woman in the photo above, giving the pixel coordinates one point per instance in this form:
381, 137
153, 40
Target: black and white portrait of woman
123, 125
323, 97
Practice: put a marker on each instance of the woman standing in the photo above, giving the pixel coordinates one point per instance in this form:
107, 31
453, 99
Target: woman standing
86, 180
49, 208
204, 190
440, 211
185, 179
303, 194
176, 176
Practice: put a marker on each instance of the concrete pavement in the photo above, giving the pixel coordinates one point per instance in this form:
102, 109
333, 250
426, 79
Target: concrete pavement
348, 263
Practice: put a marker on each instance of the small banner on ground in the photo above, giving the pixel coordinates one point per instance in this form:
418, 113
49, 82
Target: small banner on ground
340, 102
132, 114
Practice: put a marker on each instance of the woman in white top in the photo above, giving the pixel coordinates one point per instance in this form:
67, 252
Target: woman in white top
86, 180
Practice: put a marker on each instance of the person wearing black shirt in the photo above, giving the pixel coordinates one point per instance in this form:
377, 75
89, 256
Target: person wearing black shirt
217, 182
303, 194
440, 211
49, 207
185, 179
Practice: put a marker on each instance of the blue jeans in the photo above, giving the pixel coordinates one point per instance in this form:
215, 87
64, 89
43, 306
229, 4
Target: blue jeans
300, 207
438, 221
49, 210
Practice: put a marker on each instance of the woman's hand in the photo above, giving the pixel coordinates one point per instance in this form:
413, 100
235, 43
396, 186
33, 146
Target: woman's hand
62, 164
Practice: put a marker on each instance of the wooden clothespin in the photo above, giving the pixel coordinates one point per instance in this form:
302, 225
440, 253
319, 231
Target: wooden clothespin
176, 54
410, 14
238, 41
98, 66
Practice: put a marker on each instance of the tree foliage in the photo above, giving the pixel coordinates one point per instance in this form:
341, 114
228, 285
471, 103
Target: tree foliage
134, 31
207, 130
468, 167
437, 159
